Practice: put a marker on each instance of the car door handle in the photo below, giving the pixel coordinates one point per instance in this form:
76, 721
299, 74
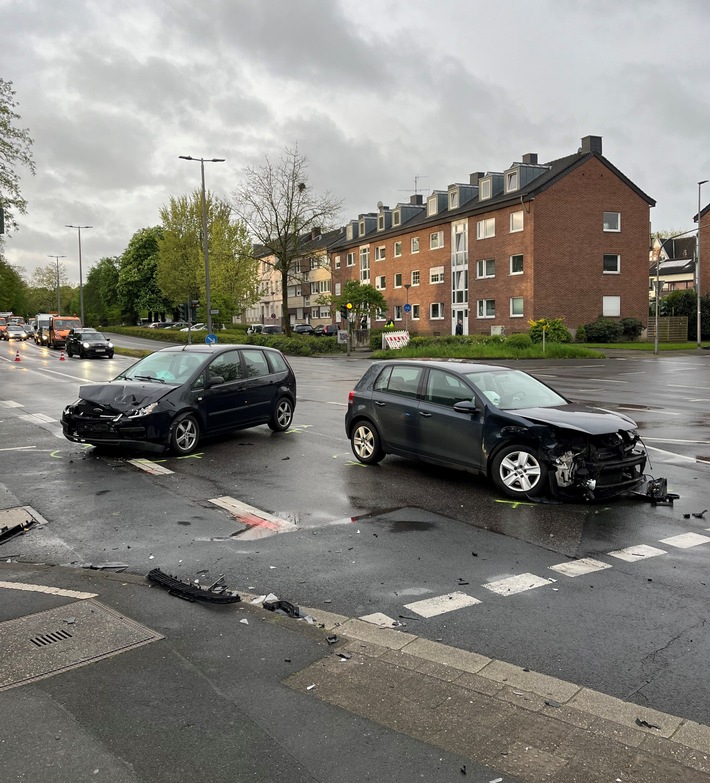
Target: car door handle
380, 404
425, 414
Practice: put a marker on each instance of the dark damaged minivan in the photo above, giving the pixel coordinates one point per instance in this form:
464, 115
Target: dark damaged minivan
529, 440
177, 395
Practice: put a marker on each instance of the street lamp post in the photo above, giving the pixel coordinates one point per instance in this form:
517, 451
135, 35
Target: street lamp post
59, 298
698, 318
407, 286
205, 241
81, 280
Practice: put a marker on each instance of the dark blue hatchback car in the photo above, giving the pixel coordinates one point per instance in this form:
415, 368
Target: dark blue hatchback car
177, 395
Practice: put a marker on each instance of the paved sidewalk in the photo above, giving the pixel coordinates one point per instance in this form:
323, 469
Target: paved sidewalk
133, 684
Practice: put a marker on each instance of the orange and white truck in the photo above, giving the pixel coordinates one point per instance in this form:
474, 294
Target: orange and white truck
58, 329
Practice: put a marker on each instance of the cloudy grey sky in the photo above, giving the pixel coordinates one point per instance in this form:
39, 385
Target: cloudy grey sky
373, 93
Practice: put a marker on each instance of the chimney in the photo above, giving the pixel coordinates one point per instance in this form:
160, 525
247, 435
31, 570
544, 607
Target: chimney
315, 232
417, 198
475, 177
592, 144
530, 157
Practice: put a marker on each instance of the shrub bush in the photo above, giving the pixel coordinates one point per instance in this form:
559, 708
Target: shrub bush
580, 336
603, 330
519, 341
631, 328
556, 331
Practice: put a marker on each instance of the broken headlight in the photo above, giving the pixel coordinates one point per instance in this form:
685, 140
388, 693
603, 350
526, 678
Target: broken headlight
148, 409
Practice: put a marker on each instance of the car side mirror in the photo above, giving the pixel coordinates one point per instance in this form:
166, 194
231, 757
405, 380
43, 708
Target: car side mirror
466, 406
215, 380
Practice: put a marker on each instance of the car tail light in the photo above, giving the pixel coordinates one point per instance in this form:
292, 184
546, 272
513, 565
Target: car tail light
351, 398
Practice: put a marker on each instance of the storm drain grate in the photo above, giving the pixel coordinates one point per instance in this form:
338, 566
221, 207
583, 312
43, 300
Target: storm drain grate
50, 638
36, 646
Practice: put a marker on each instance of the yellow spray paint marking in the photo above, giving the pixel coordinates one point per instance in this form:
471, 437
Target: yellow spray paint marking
55, 454
355, 464
190, 456
516, 503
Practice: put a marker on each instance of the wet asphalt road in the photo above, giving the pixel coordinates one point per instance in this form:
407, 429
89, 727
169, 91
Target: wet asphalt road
376, 539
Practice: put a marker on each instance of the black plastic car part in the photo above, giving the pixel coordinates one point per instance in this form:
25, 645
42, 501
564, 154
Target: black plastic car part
216, 593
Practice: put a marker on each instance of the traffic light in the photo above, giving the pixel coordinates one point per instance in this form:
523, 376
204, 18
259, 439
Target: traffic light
183, 312
193, 310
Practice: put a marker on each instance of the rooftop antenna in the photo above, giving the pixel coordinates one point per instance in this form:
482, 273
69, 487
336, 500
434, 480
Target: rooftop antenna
417, 177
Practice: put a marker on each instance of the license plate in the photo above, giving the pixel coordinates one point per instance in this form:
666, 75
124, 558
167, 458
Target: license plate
100, 350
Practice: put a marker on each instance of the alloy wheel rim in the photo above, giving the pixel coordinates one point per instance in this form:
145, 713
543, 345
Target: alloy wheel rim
283, 414
520, 471
364, 442
185, 435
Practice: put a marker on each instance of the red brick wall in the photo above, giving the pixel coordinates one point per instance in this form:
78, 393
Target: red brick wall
705, 254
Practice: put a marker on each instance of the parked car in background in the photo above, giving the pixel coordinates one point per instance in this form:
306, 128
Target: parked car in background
13, 332
177, 325
86, 343
326, 330
194, 328
528, 439
175, 396
255, 328
303, 329
272, 329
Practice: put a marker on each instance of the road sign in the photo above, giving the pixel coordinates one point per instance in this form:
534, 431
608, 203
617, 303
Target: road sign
342, 337
214, 312
273, 315
211, 339
407, 308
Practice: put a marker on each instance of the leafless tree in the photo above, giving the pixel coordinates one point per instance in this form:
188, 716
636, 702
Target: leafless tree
280, 211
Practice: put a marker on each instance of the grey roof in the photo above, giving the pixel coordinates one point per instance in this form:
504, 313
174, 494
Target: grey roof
679, 247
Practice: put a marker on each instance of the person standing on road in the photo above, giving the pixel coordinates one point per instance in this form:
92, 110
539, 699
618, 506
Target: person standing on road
459, 327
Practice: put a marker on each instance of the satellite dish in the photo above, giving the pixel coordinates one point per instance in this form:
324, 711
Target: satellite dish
380, 205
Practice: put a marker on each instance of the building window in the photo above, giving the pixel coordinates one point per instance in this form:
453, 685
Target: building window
511, 181
453, 199
436, 274
516, 221
349, 231
365, 264
612, 264
486, 308
337, 289
337, 262
516, 307
396, 217
361, 229
485, 192
398, 312
381, 315
436, 240
436, 311
611, 306
486, 228
380, 222
380, 253
485, 268
431, 205
415, 245
397, 248
398, 280
516, 265
350, 259
415, 277
380, 283
612, 221
415, 312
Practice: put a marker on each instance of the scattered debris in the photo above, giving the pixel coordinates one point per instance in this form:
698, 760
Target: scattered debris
552, 703
646, 724
9, 532
700, 514
70, 620
331, 639
346, 656
655, 491
287, 660
475, 554
117, 567
461, 582
244, 621
273, 604
463, 770
215, 594
310, 687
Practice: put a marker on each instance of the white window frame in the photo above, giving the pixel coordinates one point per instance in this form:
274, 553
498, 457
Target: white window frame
432, 205
436, 275
350, 259
361, 228
398, 276
380, 253
436, 240
397, 251
454, 199
380, 222
414, 245
512, 180
482, 307
618, 222
415, 312
517, 255
482, 268
397, 217
486, 228
338, 288
415, 277
336, 262
513, 314
381, 282
485, 189
365, 264
513, 216
398, 312
440, 307
611, 306
616, 271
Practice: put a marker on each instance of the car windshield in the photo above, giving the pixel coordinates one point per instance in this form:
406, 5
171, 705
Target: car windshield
90, 335
64, 323
512, 389
173, 367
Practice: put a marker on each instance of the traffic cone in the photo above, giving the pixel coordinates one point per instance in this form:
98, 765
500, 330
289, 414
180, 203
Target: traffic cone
61, 357
17, 357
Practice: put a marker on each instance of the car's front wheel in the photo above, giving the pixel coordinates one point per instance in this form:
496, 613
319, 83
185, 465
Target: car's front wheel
365, 443
185, 434
518, 472
282, 416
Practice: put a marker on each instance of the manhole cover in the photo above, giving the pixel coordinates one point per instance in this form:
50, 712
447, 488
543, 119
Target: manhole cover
48, 643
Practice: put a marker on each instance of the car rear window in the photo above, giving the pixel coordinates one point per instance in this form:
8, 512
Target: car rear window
400, 379
256, 364
277, 362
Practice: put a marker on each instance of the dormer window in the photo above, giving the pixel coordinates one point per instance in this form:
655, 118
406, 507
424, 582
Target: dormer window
349, 231
380, 222
454, 199
431, 206
486, 189
511, 181
361, 228
396, 217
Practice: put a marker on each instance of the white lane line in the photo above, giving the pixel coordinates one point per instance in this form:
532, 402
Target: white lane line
19, 448
685, 386
653, 410
48, 590
686, 540
43, 417
585, 565
678, 440
150, 467
253, 517
675, 456
431, 607
34, 418
604, 380
632, 554
380, 620
11, 404
516, 584
699, 400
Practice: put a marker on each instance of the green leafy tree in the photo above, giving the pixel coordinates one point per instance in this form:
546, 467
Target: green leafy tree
685, 303
101, 303
365, 299
13, 289
46, 276
181, 263
278, 208
15, 152
138, 286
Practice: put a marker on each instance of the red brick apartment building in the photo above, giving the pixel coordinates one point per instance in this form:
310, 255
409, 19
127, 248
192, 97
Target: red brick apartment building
568, 239
704, 228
